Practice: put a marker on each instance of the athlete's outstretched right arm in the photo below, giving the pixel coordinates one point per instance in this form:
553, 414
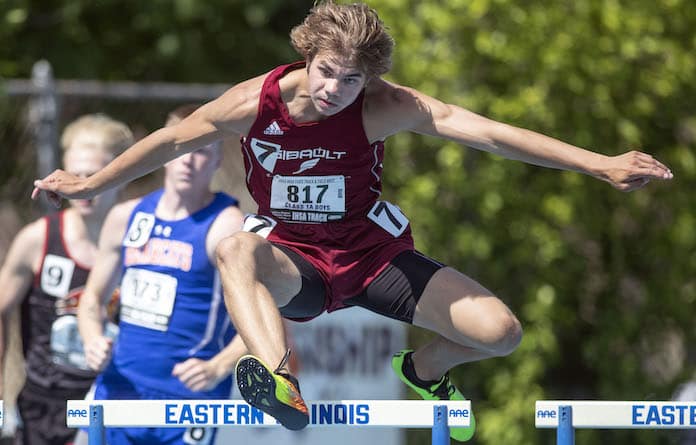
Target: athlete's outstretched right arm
232, 113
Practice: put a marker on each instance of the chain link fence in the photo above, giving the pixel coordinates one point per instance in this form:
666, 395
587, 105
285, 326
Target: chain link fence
39, 108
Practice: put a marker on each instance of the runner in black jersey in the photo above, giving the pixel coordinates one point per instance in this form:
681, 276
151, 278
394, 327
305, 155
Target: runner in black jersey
312, 135
45, 271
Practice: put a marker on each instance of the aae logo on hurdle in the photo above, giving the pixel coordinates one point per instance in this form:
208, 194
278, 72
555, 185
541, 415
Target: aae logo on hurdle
209, 413
618, 414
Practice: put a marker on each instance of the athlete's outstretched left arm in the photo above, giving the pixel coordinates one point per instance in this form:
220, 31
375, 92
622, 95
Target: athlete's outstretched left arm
628, 171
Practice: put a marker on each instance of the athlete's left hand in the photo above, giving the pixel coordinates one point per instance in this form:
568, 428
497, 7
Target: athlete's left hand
197, 375
633, 170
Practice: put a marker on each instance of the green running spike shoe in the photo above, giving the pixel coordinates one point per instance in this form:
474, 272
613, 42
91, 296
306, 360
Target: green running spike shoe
274, 392
442, 390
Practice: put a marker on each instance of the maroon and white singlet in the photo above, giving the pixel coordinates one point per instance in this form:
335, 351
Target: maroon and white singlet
317, 185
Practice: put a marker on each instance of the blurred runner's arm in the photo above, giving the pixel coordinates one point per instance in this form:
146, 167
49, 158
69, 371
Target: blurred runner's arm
16, 277
102, 280
202, 375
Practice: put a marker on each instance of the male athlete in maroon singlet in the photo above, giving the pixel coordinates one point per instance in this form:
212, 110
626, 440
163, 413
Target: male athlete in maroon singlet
313, 135
324, 191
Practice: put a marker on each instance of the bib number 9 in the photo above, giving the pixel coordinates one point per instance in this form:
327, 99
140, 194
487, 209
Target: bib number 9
56, 275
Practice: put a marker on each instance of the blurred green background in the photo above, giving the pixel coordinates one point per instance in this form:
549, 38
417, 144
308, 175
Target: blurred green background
604, 282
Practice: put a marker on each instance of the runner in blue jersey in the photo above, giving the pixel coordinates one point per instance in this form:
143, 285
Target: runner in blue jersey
175, 339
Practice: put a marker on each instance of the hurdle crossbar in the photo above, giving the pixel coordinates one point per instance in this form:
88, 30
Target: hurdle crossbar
438, 415
567, 415
213, 413
2, 413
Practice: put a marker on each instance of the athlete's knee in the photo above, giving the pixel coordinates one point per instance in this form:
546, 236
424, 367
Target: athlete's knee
505, 333
497, 332
237, 249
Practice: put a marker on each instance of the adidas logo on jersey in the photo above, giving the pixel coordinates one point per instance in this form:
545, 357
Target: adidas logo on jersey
273, 130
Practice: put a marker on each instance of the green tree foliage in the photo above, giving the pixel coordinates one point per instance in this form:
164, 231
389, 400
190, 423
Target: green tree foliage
162, 40
602, 281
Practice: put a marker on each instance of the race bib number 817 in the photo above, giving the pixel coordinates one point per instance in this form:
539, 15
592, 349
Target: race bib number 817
308, 199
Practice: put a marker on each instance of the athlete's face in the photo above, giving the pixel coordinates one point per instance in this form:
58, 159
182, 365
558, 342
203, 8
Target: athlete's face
84, 158
332, 85
193, 171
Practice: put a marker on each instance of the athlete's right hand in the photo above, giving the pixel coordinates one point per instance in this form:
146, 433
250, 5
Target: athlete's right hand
98, 352
58, 185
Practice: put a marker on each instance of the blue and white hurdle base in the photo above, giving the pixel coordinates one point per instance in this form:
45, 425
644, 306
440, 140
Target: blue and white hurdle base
96, 415
566, 416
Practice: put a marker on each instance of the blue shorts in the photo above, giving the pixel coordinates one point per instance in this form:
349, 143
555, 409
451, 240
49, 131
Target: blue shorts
113, 386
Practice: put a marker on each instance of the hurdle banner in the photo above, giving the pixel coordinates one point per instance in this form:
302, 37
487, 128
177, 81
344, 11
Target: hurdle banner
568, 415
2, 413
229, 413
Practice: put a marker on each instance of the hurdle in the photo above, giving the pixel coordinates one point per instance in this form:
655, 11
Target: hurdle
96, 415
568, 415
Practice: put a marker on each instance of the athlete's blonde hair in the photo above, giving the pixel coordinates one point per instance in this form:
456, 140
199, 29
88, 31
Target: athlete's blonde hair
354, 32
107, 134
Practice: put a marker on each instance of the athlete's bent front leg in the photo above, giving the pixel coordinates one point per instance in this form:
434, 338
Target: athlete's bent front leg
472, 323
257, 278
